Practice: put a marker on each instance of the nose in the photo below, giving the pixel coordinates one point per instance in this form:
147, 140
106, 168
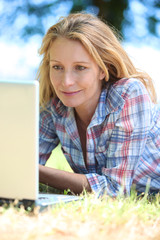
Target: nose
67, 79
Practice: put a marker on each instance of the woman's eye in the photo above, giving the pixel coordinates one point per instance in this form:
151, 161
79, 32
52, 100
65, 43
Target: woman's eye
57, 67
80, 68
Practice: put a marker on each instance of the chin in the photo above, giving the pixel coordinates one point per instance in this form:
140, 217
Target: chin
69, 104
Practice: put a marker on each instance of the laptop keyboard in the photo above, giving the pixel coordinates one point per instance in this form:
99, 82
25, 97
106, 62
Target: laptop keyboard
48, 199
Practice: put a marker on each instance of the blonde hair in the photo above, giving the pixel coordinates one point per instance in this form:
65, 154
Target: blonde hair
101, 43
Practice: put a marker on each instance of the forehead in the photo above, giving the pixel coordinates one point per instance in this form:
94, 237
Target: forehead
63, 47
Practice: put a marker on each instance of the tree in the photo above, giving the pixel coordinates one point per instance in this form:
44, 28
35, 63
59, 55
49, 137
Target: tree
27, 17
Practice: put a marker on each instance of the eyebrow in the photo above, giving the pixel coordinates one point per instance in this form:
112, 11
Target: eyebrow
53, 60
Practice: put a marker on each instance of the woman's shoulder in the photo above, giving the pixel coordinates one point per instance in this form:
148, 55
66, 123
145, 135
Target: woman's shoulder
118, 93
125, 83
127, 86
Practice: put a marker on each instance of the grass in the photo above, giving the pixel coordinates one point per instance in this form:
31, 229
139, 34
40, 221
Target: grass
57, 160
124, 218
131, 218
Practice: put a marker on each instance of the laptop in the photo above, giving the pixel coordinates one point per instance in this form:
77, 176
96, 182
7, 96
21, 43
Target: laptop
19, 145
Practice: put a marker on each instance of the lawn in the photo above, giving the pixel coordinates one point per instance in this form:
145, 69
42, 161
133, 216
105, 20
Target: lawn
88, 219
131, 218
57, 160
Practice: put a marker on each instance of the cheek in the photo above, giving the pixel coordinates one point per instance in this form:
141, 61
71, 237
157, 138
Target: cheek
53, 79
54, 83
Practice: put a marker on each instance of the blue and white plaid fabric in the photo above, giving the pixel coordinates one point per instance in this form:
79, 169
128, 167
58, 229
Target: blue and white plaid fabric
123, 139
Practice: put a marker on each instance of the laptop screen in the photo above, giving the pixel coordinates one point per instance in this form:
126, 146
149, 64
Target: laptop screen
19, 139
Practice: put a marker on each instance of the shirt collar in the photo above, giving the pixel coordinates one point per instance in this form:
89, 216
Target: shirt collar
110, 101
59, 109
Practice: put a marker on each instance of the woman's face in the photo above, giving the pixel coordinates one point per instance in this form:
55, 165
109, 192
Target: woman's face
75, 76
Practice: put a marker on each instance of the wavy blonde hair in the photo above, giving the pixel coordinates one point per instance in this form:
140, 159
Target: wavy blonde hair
102, 44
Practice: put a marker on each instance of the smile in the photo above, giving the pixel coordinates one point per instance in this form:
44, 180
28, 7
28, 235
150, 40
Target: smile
71, 93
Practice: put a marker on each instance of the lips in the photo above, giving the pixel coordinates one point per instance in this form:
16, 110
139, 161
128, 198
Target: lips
71, 93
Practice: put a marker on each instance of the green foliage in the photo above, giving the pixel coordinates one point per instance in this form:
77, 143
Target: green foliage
116, 13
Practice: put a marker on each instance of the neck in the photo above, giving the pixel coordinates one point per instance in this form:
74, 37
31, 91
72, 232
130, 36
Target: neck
86, 111
84, 117
81, 122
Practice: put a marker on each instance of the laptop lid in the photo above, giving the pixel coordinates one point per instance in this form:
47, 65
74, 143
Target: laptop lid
19, 134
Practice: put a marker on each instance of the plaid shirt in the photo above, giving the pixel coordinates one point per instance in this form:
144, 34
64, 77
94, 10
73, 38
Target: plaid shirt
123, 139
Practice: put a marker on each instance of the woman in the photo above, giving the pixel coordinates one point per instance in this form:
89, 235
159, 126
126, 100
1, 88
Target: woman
99, 107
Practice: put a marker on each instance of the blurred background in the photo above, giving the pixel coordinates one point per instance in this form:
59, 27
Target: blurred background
23, 24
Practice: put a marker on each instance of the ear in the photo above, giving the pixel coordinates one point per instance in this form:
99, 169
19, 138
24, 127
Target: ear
102, 75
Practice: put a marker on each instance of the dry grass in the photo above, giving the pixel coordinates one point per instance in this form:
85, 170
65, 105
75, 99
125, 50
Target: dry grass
89, 219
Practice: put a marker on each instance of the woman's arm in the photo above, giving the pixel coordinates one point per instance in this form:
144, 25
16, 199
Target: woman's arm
63, 180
